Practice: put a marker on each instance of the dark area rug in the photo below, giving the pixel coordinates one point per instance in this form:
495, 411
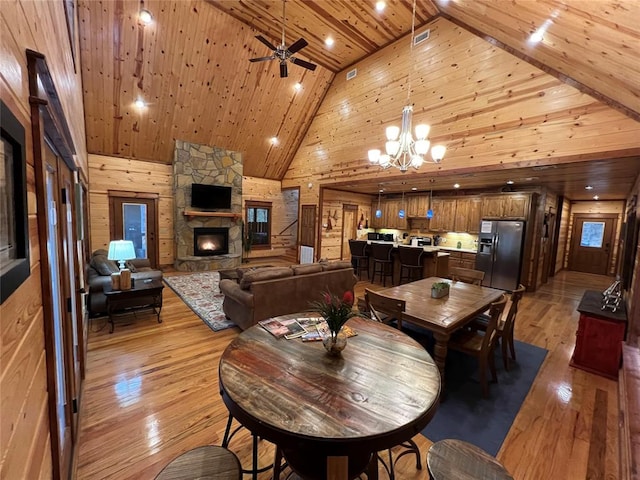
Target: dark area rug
465, 415
201, 293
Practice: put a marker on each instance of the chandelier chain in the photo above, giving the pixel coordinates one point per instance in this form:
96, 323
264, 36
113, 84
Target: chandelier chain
413, 28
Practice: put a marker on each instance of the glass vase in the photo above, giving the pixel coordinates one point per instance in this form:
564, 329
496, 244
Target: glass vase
335, 342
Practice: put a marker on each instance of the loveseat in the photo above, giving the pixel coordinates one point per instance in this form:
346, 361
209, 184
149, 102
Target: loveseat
98, 274
267, 292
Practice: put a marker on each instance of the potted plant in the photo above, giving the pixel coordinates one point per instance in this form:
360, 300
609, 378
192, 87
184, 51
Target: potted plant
439, 289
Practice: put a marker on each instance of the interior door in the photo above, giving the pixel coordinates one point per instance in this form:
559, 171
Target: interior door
591, 243
135, 218
308, 226
349, 229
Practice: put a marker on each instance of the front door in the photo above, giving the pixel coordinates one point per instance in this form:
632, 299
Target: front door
133, 217
591, 243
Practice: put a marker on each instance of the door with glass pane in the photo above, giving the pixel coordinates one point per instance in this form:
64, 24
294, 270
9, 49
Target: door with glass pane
592, 243
134, 218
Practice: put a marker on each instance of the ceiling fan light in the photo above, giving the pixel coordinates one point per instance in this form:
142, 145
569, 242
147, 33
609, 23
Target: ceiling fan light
422, 147
392, 147
422, 131
393, 132
374, 156
437, 153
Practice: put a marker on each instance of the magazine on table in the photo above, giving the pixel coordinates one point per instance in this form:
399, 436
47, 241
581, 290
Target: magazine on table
322, 329
283, 328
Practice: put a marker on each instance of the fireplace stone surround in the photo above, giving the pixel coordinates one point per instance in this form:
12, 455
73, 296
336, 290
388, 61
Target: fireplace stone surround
194, 163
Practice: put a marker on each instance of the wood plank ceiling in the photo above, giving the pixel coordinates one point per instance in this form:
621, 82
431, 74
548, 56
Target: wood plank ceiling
191, 66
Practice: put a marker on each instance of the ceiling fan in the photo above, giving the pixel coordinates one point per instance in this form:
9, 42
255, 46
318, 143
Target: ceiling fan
282, 53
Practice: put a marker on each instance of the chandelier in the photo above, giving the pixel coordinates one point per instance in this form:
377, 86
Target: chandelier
401, 150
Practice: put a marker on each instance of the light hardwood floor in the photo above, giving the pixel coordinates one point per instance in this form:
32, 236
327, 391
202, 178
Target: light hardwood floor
151, 393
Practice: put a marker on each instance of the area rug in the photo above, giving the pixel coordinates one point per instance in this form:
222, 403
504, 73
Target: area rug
201, 293
484, 422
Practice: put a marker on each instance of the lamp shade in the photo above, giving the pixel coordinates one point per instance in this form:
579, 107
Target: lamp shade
121, 250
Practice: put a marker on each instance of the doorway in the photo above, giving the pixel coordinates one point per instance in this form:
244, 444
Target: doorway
133, 216
349, 229
591, 243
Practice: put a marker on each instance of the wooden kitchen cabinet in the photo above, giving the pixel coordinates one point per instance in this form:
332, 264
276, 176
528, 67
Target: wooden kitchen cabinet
417, 206
462, 259
467, 215
444, 215
376, 222
506, 206
390, 218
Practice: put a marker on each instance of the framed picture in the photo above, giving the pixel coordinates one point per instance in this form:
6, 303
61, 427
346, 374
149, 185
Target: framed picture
70, 10
14, 227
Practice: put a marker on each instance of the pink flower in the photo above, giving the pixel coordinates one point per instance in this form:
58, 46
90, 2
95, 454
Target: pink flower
327, 298
348, 297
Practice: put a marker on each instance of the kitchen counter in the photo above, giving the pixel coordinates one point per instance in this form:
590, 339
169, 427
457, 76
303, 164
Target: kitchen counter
427, 248
435, 262
454, 249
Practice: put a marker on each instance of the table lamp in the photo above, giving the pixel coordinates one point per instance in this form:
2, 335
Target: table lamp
121, 251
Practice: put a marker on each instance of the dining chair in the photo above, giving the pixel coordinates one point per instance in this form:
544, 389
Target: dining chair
382, 262
410, 263
481, 344
450, 459
466, 275
208, 461
359, 257
383, 308
505, 327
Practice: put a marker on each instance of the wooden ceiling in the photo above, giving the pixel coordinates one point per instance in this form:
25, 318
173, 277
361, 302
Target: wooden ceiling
191, 66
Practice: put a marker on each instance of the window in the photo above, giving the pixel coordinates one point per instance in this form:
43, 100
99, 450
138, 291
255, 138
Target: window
592, 234
258, 215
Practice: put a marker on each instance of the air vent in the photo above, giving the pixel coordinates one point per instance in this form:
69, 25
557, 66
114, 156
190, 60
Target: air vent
421, 37
352, 73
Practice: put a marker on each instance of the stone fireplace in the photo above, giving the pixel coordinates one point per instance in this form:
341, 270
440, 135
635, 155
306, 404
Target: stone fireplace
193, 163
210, 241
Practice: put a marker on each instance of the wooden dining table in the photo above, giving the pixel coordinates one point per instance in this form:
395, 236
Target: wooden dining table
330, 415
442, 316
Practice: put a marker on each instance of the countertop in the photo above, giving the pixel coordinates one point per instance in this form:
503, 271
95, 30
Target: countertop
426, 248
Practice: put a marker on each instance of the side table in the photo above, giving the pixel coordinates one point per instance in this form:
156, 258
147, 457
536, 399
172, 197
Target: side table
145, 294
599, 337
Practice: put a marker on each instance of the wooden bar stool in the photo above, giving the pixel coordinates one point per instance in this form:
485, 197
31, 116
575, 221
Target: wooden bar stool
359, 257
451, 459
410, 263
209, 461
382, 262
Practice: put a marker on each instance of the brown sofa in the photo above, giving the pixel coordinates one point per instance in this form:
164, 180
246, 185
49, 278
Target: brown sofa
272, 291
98, 274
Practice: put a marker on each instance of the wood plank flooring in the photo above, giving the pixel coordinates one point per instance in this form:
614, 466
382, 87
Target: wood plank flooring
151, 393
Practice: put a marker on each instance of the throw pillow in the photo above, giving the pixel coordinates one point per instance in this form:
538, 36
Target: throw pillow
336, 265
306, 268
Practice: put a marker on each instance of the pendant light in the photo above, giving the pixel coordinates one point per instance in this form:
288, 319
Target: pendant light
378, 211
401, 211
430, 212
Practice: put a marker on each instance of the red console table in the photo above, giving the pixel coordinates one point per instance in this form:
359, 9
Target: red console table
599, 337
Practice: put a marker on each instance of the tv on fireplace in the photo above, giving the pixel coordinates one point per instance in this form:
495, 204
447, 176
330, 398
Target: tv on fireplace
210, 197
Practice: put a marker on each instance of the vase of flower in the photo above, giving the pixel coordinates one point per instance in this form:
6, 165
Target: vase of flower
335, 311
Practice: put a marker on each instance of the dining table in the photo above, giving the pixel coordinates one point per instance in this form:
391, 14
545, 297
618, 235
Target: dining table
442, 316
330, 415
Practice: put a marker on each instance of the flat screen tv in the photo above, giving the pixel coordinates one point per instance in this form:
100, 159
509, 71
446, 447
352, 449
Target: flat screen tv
210, 197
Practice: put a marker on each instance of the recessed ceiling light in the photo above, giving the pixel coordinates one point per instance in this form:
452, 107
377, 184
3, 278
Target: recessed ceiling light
297, 86
414, 188
380, 6
381, 190
274, 141
145, 17
588, 187
456, 185
509, 182
329, 41
596, 197
140, 103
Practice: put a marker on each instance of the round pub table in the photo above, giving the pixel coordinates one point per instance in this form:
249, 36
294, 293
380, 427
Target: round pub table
325, 411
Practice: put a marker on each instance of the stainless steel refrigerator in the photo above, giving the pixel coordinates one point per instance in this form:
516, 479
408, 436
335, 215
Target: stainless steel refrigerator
500, 244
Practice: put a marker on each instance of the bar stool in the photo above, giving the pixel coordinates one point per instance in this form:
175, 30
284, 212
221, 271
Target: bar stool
410, 263
451, 459
208, 461
359, 257
229, 434
382, 262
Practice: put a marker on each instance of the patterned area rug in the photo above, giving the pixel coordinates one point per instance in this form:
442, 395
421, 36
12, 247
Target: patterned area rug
201, 293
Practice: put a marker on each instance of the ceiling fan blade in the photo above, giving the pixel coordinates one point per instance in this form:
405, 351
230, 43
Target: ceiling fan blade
266, 42
283, 69
262, 59
299, 45
302, 63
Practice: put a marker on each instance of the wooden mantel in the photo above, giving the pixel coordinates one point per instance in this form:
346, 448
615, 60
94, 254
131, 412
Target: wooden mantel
197, 213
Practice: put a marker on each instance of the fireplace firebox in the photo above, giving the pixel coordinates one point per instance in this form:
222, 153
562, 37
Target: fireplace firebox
210, 241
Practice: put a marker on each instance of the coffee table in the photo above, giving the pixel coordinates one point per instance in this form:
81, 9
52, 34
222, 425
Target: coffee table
144, 295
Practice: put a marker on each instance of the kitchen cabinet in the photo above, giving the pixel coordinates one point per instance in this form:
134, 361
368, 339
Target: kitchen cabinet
467, 215
462, 259
506, 206
417, 206
391, 209
444, 215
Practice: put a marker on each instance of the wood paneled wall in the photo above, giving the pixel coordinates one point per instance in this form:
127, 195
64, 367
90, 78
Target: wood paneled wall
113, 173
25, 438
492, 111
563, 237
332, 203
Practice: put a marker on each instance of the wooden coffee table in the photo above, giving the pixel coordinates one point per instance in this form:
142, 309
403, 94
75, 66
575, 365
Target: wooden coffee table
145, 295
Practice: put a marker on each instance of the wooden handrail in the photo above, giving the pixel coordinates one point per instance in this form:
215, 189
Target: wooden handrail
289, 226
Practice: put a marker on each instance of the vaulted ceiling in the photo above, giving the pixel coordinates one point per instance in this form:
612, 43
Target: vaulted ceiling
576, 93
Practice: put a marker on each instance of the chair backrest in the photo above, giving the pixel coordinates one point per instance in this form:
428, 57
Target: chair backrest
466, 275
510, 319
495, 312
384, 308
381, 251
357, 247
411, 256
